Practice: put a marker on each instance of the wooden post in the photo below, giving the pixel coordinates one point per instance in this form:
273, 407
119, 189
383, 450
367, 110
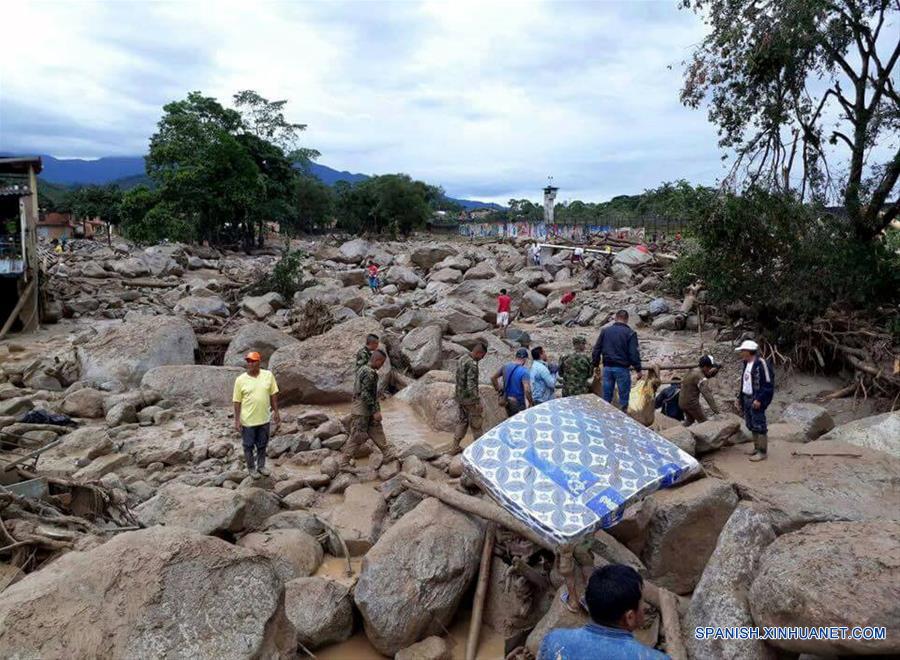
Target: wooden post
484, 575
26, 294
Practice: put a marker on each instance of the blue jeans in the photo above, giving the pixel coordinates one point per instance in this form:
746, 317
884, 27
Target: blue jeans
614, 377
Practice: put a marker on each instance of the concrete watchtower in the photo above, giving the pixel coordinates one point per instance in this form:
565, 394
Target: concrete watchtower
549, 200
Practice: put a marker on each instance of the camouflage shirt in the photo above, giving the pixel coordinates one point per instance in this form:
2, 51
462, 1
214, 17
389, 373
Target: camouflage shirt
363, 356
466, 380
576, 371
365, 391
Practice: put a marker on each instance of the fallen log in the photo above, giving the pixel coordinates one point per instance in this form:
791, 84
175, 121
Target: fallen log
213, 340
149, 283
668, 609
484, 574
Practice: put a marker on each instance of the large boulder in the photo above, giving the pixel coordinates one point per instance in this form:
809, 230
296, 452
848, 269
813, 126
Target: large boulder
202, 305
823, 488
448, 275
358, 518
204, 509
815, 420
426, 256
683, 524
531, 303
123, 353
483, 294
881, 432
721, 597
260, 307
353, 251
320, 610
842, 574
86, 402
483, 270
714, 433
422, 349
259, 337
192, 382
154, 593
433, 400
403, 277
293, 552
413, 579
321, 369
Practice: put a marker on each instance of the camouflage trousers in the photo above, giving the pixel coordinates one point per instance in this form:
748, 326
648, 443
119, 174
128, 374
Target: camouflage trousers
693, 413
362, 428
469, 415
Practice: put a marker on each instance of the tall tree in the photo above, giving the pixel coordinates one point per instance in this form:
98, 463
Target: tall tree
803, 83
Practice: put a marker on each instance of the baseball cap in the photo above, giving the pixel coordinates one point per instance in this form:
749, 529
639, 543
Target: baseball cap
522, 353
748, 345
708, 361
252, 356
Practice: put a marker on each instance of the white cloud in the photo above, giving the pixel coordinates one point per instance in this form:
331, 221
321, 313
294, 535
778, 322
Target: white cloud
484, 98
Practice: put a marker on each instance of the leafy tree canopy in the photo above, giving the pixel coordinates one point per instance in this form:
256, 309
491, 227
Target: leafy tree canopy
806, 85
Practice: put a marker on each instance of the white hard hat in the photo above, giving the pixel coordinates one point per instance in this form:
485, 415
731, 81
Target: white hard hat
748, 345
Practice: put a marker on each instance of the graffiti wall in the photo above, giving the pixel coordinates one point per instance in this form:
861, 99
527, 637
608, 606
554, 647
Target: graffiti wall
541, 230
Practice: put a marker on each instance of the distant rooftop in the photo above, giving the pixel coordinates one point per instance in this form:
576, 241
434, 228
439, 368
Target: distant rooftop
20, 164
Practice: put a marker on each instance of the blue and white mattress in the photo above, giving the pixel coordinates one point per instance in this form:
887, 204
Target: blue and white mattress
569, 467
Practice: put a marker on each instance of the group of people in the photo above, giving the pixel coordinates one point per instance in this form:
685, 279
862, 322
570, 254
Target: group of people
519, 386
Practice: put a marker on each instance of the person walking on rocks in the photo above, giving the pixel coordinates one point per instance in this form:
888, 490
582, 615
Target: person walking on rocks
255, 399
575, 369
695, 384
468, 400
513, 385
365, 411
755, 395
617, 350
372, 274
613, 598
504, 304
364, 354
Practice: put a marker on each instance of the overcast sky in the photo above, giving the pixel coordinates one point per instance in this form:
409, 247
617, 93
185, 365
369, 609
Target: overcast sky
486, 99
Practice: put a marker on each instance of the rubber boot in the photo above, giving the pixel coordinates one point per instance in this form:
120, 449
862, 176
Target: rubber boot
761, 445
261, 463
251, 464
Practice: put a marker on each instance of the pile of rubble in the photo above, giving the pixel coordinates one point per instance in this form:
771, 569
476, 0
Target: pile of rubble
131, 527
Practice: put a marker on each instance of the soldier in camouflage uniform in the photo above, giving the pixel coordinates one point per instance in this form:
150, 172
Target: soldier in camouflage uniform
470, 413
365, 421
575, 369
364, 354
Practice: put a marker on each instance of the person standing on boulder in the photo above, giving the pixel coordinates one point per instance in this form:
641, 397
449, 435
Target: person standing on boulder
695, 384
575, 369
755, 395
364, 354
365, 411
372, 272
255, 399
504, 304
470, 413
617, 350
613, 598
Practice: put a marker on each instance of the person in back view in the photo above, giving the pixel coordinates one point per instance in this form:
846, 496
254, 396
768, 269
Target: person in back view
617, 350
513, 383
613, 598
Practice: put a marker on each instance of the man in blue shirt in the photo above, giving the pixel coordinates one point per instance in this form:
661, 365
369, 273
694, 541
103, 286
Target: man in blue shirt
617, 349
542, 381
513, 384
613, 598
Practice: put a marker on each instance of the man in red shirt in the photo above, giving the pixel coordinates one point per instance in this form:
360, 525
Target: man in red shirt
372, 270
504, 302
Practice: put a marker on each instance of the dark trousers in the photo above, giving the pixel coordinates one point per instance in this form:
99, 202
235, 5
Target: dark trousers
255, 439
617, 377
755, 419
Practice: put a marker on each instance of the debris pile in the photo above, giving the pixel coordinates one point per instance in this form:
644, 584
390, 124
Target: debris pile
127, 511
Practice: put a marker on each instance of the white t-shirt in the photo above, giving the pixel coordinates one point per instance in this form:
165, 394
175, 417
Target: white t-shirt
747, 383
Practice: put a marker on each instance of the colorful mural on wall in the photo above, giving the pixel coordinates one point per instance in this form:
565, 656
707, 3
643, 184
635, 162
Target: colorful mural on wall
541, 231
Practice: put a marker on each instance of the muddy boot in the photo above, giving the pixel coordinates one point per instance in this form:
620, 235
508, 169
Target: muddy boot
249, 460
261, 463
760, 447
752, 451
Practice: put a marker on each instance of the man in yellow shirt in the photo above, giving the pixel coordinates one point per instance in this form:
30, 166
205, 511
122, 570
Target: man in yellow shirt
255, 392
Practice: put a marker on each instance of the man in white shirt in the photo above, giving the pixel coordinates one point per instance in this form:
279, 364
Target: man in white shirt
755, 395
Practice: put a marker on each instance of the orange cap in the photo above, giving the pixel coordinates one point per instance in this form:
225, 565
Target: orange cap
252, 356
